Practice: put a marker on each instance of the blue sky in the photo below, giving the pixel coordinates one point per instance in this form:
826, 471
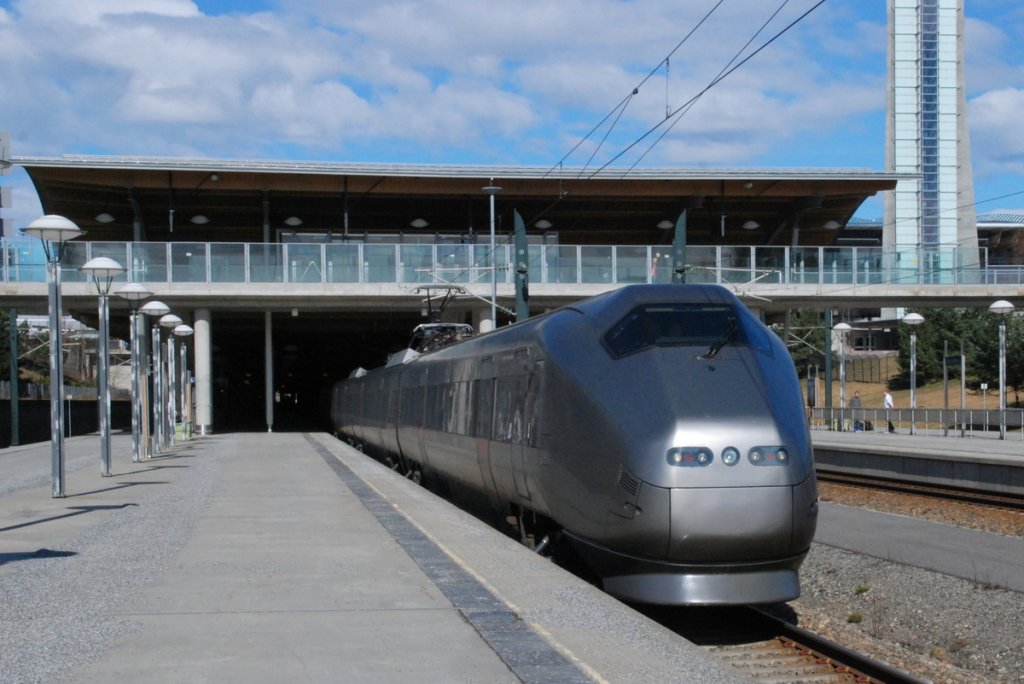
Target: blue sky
478, 82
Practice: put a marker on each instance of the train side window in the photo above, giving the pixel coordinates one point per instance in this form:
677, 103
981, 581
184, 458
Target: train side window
530, 413
484, 393
462, 405
509, 410
448, 410
434, 410
411, 406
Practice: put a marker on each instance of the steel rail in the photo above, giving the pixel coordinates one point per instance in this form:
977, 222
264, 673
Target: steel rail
959, 494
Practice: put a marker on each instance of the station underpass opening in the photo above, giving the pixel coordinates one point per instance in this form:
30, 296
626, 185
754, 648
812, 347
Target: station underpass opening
311, 351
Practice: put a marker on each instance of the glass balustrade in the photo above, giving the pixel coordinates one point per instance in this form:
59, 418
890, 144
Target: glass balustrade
462, 264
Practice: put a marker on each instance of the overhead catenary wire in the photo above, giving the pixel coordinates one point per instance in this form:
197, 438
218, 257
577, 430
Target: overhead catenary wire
636, 89
688, 107
673, 116
715, 81
619, 108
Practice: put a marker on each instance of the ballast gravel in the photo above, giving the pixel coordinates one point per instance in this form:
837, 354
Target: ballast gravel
935, 626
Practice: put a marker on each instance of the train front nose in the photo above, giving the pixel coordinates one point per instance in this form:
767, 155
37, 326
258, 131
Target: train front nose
740, 524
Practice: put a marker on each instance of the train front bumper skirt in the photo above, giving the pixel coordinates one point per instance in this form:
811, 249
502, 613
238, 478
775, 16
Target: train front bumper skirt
646, 580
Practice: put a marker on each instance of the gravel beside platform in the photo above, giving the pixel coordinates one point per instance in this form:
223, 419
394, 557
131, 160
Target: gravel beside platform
934, 625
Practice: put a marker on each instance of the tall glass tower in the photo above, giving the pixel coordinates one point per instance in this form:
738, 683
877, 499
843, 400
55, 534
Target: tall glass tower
929, 224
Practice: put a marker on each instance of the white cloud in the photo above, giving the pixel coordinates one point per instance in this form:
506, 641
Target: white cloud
441, 73
97, 12
454, 80
995, 131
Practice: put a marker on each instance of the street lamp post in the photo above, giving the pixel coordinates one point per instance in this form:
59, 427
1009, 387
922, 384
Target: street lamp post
842, 329
155, 310
55, 231
1002, 308
913, 320
134, 293
182, 331
493, 190
103, 270
169, 321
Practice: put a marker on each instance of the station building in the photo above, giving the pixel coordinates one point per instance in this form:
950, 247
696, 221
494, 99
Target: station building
294, 273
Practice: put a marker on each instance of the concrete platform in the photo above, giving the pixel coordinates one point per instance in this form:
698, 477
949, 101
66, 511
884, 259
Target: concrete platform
981, 464
290, 557
985, 464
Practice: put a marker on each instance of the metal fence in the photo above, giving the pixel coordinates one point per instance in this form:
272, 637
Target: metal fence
36, 391
358, 262
923, 421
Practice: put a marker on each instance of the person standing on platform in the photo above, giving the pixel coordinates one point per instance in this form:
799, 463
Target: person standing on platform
887, 402
858, 424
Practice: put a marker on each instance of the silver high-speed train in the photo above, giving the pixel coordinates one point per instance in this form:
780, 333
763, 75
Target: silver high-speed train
658, 430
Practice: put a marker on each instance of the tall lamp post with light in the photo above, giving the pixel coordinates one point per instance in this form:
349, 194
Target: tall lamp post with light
103, 270
1003, 308
154, 309
913, 320
843, 329
134, 293
493, 190
166, 400
55, 231
182, 331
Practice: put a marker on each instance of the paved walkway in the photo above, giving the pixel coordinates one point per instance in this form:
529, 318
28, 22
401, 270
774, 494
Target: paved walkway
1010, 450
968, 554
289, 557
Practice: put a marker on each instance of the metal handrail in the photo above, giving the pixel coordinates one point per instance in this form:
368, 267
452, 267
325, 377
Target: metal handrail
410, 263
967, 422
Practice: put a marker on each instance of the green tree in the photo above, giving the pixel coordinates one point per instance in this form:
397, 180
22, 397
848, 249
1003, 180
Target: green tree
806, 339
979, 330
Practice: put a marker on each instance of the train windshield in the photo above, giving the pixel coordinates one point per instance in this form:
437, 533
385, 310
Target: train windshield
672, 325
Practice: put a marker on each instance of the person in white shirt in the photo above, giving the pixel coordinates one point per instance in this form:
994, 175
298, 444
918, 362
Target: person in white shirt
887, 402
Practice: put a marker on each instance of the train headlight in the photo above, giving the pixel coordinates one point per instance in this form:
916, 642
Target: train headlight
690, 457
730, 456
769, 456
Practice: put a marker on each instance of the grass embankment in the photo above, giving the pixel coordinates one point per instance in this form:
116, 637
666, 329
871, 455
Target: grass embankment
928, 396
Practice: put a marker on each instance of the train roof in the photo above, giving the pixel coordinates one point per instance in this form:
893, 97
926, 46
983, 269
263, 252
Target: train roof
615, 303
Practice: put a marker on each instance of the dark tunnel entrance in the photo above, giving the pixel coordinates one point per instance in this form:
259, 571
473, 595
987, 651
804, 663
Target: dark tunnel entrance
311, 351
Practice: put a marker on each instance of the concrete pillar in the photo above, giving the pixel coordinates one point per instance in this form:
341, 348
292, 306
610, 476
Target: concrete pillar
268, 368
482, 320
204, 375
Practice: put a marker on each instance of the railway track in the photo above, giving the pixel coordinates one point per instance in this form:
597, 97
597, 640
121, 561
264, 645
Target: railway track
767, 648
990, 499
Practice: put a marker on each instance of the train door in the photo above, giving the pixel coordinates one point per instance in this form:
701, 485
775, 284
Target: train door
518, 433
530, 395
483, 415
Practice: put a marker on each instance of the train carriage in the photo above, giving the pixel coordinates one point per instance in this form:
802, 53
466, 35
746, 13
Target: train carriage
658, 429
